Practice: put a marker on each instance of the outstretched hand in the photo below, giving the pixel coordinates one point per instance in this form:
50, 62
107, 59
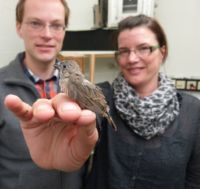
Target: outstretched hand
58, 133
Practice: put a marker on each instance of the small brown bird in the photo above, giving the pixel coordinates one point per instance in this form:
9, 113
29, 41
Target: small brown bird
86, 94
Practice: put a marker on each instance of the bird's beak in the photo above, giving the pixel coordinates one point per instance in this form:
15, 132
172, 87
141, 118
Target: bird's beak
57, 65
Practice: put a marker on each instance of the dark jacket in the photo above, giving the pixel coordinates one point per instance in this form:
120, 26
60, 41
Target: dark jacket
17, 170
123, 160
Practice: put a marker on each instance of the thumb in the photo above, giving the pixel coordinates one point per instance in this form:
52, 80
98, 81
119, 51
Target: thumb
21, 110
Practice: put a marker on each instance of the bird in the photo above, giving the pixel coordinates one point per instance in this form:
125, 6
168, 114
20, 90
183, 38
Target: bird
85, 93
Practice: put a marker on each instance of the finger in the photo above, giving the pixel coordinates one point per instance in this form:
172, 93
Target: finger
87, 120
87, 136
22, 110
43, 110
65, 108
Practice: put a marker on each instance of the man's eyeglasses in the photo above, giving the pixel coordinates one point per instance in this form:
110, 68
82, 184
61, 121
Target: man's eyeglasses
39, 26
141, 52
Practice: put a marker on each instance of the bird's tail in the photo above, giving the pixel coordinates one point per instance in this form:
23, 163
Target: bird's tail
111, 122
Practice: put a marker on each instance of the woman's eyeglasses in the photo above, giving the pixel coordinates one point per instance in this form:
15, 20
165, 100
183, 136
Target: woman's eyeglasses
142, 52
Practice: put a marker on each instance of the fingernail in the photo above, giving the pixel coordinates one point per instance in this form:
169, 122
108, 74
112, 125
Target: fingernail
87, 113
42, 107
68, 107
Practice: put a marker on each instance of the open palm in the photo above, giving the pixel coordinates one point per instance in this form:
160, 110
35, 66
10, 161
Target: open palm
58, 133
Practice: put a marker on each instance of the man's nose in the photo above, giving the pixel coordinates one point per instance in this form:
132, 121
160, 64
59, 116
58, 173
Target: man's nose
46, 31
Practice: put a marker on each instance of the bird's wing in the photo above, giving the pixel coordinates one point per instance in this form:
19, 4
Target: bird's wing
88, 96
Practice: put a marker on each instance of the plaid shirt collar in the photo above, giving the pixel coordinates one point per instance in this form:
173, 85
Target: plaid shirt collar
46, 88
34, 78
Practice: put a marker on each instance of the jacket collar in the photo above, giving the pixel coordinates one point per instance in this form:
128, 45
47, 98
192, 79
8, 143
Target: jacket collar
15, 73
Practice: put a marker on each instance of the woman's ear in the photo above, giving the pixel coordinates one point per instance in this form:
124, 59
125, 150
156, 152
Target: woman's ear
163, 52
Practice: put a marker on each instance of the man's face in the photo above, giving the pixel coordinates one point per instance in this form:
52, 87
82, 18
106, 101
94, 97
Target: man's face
42, 29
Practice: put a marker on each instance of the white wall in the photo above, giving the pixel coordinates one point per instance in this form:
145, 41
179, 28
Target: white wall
81, 16
181, 21
10, 44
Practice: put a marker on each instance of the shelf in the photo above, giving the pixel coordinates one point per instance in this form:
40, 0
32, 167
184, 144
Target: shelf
92, 55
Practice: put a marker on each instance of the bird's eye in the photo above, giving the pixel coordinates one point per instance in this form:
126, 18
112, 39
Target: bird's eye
64, 66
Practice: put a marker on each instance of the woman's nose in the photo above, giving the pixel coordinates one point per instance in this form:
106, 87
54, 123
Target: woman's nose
133, 56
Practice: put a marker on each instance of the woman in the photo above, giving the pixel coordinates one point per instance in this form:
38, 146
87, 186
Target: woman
157, 143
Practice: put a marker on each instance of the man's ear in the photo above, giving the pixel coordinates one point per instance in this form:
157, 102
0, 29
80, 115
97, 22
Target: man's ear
18, 29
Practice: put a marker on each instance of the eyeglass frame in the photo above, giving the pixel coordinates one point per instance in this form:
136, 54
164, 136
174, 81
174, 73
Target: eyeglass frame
137, 51
39, 26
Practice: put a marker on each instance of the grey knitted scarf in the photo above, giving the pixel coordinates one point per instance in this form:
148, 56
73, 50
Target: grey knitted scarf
148, 116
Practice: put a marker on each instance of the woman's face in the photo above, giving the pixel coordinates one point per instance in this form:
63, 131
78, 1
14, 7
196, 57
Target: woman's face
141, 65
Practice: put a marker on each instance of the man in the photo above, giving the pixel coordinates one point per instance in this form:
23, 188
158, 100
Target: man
31, 75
